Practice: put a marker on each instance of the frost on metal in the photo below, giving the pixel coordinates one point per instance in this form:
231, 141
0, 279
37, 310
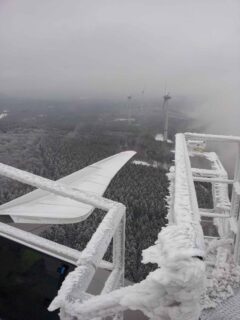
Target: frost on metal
175, 290
212, 137
170, 197
222, 271
172, 291
68, 200
225, 277
220, 195
185, 200
112, 227
219, 189
78, 280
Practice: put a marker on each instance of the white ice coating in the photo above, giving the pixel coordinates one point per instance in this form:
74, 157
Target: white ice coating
170, 197
154, 164
141, 163
185, 200
212, 137
79, 279
223, 278
68, 200
160, 137
220, 190
3, 115
174, 289
223, 275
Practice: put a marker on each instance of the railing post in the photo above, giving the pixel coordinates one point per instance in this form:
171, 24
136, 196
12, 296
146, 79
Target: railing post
119, 256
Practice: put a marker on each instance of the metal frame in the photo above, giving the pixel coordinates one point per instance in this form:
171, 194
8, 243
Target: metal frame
112, 226
72, 299
184, 210
226, 213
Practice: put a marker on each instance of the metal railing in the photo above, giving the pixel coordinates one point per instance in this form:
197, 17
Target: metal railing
186, 216
72, 299
112, 226
220, 186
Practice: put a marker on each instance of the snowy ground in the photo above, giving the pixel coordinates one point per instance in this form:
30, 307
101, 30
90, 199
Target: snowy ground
155, 164
125, 119
3, 115
159, 137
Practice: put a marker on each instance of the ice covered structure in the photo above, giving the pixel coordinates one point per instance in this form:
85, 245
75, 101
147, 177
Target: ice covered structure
196, 274
172, 291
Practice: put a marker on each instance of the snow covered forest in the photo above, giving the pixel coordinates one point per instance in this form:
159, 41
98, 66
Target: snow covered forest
53, 143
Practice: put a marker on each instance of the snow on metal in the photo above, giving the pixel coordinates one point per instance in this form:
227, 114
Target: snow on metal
218, 177
185, 201
170, 292
70, 201
174, 289
223, 271
94, 181
44, 245
78, 280
211, 137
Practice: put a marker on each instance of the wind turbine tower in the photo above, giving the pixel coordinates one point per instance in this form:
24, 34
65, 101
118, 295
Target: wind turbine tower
142, 107
129, 98
166, 98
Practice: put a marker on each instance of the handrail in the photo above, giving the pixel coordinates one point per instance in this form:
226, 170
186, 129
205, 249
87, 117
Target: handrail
56, 187
178, 252
112, 227
212, 137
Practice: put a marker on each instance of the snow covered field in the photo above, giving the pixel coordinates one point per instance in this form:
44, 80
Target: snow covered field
3, 115
125, 119
155, 164
159, 137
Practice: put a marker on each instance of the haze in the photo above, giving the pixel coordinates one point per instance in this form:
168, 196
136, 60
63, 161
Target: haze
73, 49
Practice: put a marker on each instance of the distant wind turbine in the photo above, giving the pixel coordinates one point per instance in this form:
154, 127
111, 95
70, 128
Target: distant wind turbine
166, 98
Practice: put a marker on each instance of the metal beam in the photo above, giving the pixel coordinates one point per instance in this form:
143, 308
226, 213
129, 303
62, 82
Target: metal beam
78, 280
213, 180
214, 215
43, 245
212, 137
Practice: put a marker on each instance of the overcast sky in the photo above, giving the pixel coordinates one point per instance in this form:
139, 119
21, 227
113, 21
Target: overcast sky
109, 49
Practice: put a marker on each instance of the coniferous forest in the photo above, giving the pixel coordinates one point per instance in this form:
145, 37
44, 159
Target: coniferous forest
56, 141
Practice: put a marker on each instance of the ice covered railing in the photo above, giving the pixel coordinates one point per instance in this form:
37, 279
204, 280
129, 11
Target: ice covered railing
222, 245
174, 289
112, 227
226, 211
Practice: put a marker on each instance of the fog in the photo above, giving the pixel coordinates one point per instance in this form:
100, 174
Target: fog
75, 49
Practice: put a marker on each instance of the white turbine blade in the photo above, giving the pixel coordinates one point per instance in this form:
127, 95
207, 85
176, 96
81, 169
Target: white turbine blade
41, 206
